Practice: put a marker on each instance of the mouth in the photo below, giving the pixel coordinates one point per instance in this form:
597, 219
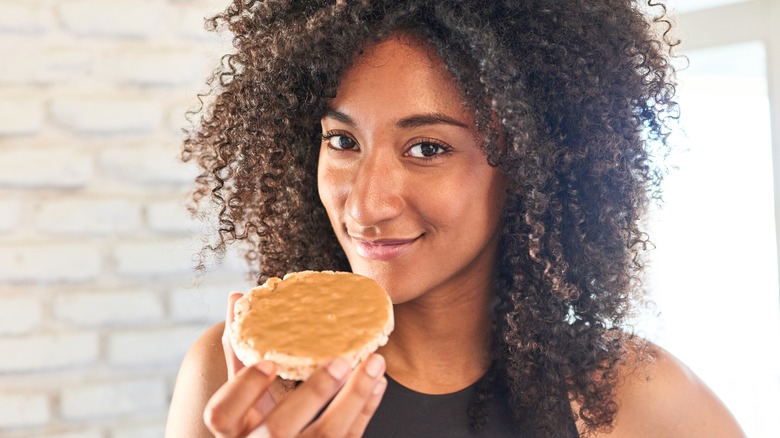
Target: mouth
382, 249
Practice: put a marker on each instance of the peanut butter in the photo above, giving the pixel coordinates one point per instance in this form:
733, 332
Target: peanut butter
317, 315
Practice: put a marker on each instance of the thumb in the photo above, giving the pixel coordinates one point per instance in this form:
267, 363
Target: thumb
233, 363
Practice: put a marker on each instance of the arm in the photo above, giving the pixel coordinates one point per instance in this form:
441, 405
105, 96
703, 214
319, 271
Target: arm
663, 398
202, 372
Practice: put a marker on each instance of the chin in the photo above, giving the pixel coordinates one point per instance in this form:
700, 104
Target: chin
399, 288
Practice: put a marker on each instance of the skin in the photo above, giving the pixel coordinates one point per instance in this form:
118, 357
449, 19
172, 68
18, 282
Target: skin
426, 229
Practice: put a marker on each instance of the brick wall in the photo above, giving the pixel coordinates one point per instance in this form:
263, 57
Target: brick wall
98, 298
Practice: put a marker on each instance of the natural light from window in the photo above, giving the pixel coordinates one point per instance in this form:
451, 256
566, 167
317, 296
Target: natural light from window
714, 272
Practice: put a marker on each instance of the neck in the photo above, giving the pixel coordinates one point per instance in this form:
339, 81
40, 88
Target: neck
441, 342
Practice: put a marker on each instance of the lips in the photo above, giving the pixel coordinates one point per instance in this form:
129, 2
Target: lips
382, 249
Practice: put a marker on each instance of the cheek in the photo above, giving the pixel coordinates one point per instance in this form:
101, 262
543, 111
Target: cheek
447, 203
324, 184
470, 202
330, 187
444, 203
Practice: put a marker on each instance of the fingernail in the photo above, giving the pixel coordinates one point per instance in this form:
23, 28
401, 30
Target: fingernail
265, 367
260, 432
338, 368
380, 386
374, 365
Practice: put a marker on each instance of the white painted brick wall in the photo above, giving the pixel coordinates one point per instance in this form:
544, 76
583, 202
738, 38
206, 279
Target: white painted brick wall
20, 315
190, 19
20, 116
169, 216
154, 68
140, 431
88, 217
48, 352
97, 305
112, 399
44, 167
158, 257
206, 303
50, 262
152, 347
85, 433
10, 214
108, 308
125, 18
26, 16
46, 65
146, 164
18, 410
107, 115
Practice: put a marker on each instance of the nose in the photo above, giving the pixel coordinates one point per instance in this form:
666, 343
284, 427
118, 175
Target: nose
376, 193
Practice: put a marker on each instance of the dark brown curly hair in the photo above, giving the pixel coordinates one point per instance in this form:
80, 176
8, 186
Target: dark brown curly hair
579, 93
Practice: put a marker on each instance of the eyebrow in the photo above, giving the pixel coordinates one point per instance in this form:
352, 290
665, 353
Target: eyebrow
413, 121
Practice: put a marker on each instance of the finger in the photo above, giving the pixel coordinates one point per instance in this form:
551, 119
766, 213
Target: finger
301, 406
345, 409
361, 422
266, 402
233, 363
260, 432
231, 410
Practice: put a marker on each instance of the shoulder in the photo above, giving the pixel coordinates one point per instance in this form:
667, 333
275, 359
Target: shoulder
661, 397
202, 372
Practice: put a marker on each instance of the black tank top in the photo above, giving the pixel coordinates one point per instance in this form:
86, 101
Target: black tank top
407, 413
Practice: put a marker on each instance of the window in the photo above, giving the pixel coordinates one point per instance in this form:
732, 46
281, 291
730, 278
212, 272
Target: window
714, 273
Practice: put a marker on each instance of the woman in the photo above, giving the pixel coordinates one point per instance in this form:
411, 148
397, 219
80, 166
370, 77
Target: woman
487, 162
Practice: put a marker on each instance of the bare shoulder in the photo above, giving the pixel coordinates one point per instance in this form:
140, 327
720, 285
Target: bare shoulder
661, 397
202, 372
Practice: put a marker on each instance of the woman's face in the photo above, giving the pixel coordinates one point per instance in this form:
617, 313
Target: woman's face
408, 192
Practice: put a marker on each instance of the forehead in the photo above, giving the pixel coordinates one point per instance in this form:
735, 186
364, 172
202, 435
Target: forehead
397, 77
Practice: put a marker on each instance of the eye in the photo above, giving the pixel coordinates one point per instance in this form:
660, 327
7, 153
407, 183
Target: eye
426, 150
339, 141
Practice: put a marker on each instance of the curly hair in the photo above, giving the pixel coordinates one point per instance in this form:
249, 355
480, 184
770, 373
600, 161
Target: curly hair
571, 99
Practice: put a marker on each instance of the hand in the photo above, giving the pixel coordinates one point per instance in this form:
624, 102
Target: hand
243, 406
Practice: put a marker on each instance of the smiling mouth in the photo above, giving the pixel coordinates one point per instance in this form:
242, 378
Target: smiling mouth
382, 249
